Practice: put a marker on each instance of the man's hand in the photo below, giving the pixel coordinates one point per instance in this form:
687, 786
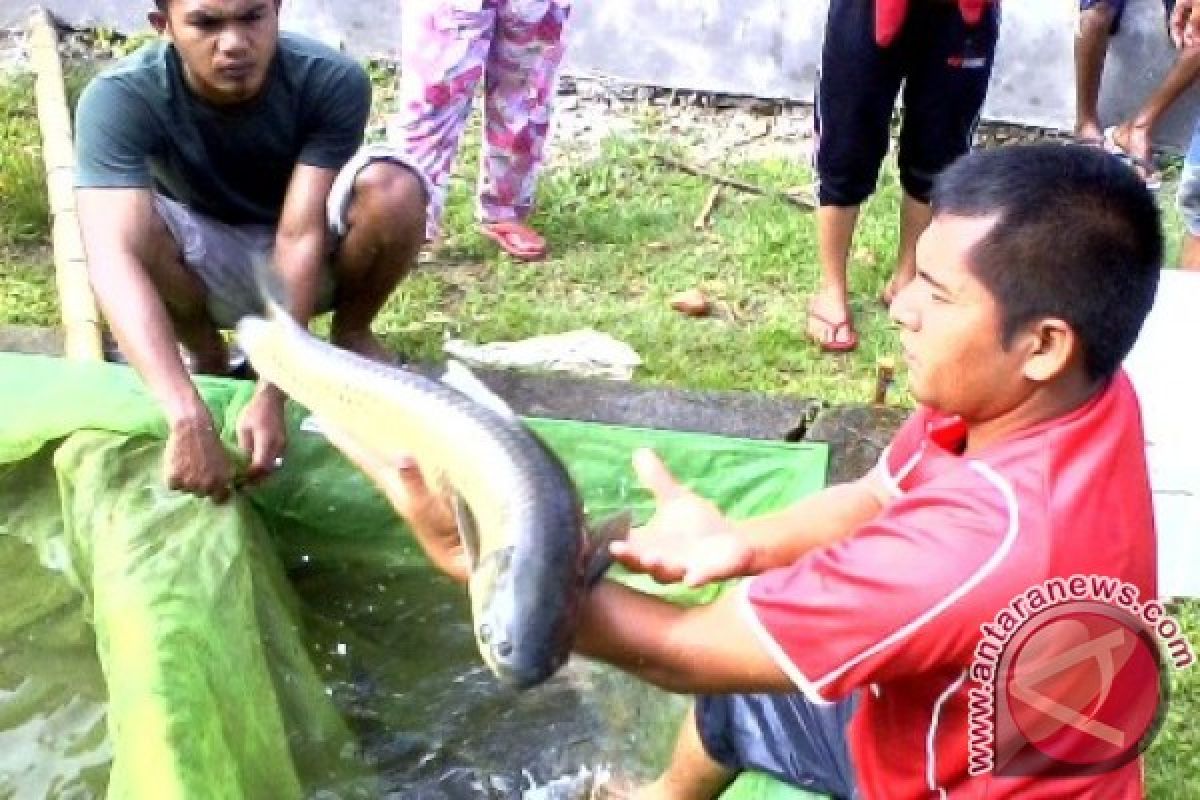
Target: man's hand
688, 539
261, 433
1185, 25
427, 513
194, 460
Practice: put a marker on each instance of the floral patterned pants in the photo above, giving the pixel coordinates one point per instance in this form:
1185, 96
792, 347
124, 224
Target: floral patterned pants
516, 47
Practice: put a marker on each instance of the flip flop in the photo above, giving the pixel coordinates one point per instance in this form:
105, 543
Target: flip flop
833, 343
519, 241
1145, 167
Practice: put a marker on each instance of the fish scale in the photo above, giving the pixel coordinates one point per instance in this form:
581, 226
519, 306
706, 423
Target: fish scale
525, 515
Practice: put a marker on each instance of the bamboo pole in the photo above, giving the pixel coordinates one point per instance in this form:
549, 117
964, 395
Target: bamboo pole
81, 320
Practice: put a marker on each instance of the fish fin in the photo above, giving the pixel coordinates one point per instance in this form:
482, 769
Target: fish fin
468, 530
600, 535
458, 376
272, 292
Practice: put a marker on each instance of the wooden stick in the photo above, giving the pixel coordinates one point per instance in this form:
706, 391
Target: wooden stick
885, 370
706, 210
734, 183
81, 321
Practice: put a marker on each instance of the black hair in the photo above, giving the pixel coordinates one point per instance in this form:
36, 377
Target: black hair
1077, 237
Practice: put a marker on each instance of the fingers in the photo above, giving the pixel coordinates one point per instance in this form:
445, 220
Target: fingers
264, 448
655, 476
646, 559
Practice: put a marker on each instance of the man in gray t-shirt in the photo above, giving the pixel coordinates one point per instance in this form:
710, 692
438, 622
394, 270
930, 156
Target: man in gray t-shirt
222, 143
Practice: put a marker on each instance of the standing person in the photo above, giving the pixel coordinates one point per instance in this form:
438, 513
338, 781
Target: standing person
1185, 33
941, 53
221, 144
515, 47
845, 662
1098, 21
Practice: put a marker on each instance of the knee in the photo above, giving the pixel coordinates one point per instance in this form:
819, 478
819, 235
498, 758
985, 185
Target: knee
917, 183
847, 188
390, 194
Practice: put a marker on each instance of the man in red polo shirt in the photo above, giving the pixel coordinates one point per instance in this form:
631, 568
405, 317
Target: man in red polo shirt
844, 662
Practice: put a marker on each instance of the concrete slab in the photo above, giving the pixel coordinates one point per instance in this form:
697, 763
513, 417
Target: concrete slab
740, 414
32, 340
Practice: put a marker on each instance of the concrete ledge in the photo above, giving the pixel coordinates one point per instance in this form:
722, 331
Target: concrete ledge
33, 340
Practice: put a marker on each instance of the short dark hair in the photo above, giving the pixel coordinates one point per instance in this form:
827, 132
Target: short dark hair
1078, 237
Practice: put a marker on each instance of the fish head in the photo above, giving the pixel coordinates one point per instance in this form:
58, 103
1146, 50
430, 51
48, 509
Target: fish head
519, 634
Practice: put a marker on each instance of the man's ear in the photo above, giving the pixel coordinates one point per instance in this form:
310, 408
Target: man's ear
158, 21
1053, 347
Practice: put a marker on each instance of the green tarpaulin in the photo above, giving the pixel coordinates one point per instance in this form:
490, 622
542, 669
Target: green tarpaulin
151, 643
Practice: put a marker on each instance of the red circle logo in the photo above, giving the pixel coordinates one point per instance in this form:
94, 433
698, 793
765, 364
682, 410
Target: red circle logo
1079, 691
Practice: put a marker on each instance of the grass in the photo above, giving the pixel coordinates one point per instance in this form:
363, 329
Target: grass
620, 229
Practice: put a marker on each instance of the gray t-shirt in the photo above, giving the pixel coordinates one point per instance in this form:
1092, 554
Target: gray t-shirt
139, 126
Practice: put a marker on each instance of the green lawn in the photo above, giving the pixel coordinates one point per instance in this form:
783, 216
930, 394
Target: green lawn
620, 228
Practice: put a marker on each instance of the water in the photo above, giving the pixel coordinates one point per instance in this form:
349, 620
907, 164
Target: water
434, 723
395, 651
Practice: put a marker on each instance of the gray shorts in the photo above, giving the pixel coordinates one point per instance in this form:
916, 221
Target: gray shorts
223, 256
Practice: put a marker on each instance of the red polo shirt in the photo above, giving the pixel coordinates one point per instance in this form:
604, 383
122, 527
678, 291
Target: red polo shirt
897, 606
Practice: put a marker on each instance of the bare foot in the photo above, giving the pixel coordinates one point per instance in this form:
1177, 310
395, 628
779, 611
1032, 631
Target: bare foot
1134, 142
829, 323
365, 343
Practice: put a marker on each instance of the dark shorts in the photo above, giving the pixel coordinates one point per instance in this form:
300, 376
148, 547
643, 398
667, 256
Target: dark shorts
1118, 9
944, 66
783, 735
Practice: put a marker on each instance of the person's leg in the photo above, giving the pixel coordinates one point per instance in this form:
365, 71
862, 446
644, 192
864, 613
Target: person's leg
1134, 136
520, 84
1188, 202
915, 217
203, 270
1097, 21
382, 232
856, 92
785, 736
1189, 253
692, 773
443, 50
943, 96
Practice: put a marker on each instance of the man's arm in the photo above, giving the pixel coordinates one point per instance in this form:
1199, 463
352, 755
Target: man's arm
115, 225
301, 240
706, 649
815, 521
300, 250
690, 540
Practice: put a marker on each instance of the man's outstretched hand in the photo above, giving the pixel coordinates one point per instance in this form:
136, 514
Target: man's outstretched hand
688, 539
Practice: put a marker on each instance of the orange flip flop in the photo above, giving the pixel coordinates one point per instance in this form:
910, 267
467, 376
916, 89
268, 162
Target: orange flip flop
519, 241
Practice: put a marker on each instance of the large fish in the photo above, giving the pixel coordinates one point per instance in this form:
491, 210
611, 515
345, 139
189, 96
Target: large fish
519, 515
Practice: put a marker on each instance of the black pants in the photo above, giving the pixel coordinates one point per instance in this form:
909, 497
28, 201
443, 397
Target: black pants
944, 66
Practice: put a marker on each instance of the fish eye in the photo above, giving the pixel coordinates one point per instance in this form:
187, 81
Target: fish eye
504, 649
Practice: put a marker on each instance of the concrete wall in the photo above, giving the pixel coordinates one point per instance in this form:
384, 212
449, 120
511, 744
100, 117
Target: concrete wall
761, 47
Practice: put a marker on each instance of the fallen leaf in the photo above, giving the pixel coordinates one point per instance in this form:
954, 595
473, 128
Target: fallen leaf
692, 302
